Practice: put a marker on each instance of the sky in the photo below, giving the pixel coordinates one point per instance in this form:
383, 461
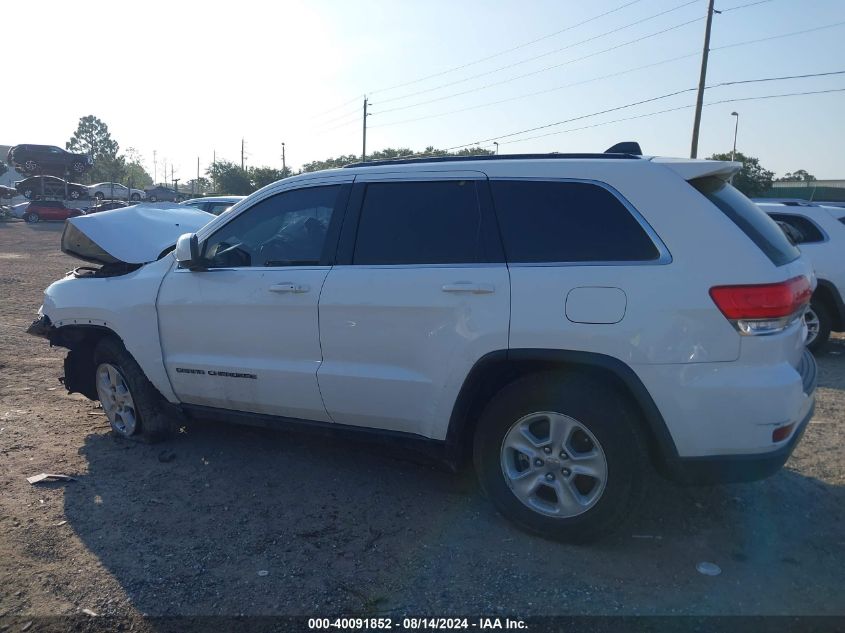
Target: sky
188, 80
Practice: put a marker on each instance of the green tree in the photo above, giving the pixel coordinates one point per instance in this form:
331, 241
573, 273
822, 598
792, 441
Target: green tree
800, 175
230, 178
263, 176
199, 185
134, 170
753, 179
92, 137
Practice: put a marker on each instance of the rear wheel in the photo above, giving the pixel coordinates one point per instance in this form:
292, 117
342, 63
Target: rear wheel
27, 193
153, 198
135, 409
136, 197
561, 455
31, 218
99, 196
78, 166
74, 194
31, 165
818, 323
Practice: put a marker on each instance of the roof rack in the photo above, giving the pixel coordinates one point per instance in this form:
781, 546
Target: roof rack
456, 159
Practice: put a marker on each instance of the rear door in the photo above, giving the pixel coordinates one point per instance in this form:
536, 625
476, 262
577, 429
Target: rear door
419, 294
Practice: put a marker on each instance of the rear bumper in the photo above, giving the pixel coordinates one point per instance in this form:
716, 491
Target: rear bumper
720, 469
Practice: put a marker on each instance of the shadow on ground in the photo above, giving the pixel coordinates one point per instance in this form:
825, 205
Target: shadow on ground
347, 528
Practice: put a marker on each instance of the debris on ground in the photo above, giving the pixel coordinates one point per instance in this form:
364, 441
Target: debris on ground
708, 569
93, 614
263, 572
48, 477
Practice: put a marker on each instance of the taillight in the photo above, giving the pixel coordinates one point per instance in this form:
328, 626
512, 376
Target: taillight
763, 308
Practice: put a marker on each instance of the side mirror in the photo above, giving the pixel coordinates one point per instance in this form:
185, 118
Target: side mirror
188, 250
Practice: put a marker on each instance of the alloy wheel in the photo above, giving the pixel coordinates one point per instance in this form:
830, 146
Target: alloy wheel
811, 320
116, 399
553, 464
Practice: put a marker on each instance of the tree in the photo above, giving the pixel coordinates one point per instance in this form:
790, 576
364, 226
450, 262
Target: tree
753, 179
199, 185
263, 176
230, 178
390, 152
800, 175
92, 137
134, 170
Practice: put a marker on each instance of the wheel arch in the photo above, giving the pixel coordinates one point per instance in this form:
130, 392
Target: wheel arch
497, 369
829, 295
81, 340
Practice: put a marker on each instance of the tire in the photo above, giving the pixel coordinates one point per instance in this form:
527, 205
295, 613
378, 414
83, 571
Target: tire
598, 424
153, 198
818, 323
99, 196
78, 166
31, 166
136, 197
74, 195
145, 414
31, 218
27, 193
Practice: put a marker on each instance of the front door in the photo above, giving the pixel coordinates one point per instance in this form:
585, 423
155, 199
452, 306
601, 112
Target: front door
420, 293
243, 334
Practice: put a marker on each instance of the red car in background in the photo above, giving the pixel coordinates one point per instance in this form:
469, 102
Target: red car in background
49, 211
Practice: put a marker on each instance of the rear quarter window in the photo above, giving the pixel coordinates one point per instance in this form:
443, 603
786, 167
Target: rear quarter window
749, 218
565, 221
810, 233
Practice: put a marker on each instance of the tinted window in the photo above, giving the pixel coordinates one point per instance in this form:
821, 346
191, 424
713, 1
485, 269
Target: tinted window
750, 218
288, 229
809, 232
567, 222
419, 223
218, 207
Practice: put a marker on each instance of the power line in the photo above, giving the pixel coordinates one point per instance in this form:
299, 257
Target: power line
342, 105
558, 50
743, 6
636, 103
776, 37
540, 92
545, 69
506, 51
675, 109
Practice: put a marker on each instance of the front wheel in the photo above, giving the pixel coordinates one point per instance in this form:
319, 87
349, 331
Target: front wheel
561, 455
99, 196
818, 323
153, 198
78, 166
136, 197
31, 218
31, 166
135, 409
27, 193
74, 195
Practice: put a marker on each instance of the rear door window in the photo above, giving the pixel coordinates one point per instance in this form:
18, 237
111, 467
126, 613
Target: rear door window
749, 218
565, 221
425, 222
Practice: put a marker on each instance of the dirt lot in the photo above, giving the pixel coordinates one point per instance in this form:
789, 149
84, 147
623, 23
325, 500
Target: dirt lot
346, 528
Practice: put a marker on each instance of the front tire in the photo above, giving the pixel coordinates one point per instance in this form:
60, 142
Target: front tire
74, 195
818, 323
134, 407
31, 166
27, 193
78, 166
136, 197
99, 196
153, 199
31, 218
561, 455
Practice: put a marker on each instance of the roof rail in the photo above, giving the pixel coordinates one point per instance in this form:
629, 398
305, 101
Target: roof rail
451, 159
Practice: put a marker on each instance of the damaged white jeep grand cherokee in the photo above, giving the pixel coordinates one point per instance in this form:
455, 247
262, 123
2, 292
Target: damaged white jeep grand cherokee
567, 321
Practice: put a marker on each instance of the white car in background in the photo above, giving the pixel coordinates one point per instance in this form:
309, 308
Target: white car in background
213, 204
820, 233
115, 191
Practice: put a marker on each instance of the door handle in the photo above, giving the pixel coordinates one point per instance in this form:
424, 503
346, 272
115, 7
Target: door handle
469, 287
289, 287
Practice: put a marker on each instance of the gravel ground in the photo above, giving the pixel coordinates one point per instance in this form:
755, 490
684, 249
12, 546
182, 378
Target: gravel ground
351, 528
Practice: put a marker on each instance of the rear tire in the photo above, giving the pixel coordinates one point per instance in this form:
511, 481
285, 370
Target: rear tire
99, 196
579, 481
134, 407
31, 166
153, 199
78, 166
136, 197
31, 218
818, 320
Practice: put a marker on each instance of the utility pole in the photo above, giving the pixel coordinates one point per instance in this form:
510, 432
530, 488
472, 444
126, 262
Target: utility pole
155, 168
284, 167
197, 181
364, 150
171, 174
699, 101
242, 153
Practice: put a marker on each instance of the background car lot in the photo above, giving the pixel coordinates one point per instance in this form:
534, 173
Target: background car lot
184, 527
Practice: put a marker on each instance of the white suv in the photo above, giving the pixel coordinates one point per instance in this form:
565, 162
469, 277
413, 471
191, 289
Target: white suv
820, 233
567, 321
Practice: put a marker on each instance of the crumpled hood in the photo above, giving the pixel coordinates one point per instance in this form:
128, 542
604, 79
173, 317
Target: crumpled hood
133, 235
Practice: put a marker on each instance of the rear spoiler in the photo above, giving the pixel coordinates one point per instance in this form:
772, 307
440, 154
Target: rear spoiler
690, 169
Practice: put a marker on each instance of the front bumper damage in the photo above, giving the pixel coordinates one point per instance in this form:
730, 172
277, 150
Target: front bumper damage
42, 327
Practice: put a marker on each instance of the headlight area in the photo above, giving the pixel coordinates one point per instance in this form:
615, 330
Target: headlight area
42, 327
